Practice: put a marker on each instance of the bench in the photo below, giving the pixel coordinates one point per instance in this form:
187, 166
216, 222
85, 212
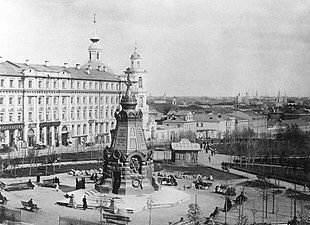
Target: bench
116, 218
49, 183
261, 178
225, 168
28, 207
2, 185
19, 186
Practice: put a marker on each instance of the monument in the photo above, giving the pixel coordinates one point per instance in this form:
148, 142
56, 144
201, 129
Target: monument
128, 165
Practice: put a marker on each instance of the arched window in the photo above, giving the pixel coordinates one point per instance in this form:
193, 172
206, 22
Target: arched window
138, 64
98, 55
84, 129
90, 129
140, 101
140, 82
78, 129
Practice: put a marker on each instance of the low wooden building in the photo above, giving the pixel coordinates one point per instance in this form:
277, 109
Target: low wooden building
185, 152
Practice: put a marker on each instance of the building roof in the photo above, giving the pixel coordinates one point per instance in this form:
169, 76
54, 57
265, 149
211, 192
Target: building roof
9, 68
185, 145
207, 118
178, 113
182, 113
95, 65
246, 115
175, 120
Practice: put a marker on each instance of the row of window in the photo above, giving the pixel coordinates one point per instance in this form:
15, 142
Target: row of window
50, 83
49, 116
73, 100
11, 117
99, 128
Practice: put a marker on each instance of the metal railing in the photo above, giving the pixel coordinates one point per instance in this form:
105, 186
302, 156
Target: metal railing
23, 153
74, 221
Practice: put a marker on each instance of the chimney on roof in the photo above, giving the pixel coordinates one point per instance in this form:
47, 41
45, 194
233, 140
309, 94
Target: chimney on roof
78, 66
27, 62
99, 68
89, 67
66, 65
104, 69
47, 63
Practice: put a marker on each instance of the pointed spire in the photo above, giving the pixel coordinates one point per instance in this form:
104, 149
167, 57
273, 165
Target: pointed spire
94, 39
136, 46
135, 55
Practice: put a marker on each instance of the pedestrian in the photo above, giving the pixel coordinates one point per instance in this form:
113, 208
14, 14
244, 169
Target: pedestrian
57, 187
38, 178
84, 203
209, 158
72, 202
83, 183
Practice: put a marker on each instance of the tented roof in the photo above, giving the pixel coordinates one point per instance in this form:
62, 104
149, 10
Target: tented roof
185, 145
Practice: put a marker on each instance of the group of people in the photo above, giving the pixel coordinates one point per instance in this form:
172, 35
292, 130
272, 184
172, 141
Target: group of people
72, 202
80, 184
238, 201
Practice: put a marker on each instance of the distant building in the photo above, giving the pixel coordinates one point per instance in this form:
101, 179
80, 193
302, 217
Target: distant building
214, 125
274, 126
182, 118
251, 120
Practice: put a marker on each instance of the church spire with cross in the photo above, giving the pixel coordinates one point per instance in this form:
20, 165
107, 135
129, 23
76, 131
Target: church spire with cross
94, 49
95, 38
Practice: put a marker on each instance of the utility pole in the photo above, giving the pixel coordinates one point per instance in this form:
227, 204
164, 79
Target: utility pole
225, 206
263, 206
102, 201
149, 204
295, 199
273, 199
266, 202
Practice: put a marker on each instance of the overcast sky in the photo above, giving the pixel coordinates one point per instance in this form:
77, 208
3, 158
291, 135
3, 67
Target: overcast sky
189, 47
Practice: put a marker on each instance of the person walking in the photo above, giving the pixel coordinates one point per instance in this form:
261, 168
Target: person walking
84, 203
72, 202
209, 158
57, 187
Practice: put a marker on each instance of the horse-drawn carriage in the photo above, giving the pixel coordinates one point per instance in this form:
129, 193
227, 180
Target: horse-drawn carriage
225, 190
170, 180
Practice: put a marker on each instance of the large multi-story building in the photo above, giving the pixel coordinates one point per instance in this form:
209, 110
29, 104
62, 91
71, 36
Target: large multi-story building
56, 105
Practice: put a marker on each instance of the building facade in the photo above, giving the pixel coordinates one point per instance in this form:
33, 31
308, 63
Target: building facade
60, 105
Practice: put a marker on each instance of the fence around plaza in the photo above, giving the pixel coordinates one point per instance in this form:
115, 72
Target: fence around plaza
24, 153
74, 221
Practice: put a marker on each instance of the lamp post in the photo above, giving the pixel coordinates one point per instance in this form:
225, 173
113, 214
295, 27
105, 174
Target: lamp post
149, 203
